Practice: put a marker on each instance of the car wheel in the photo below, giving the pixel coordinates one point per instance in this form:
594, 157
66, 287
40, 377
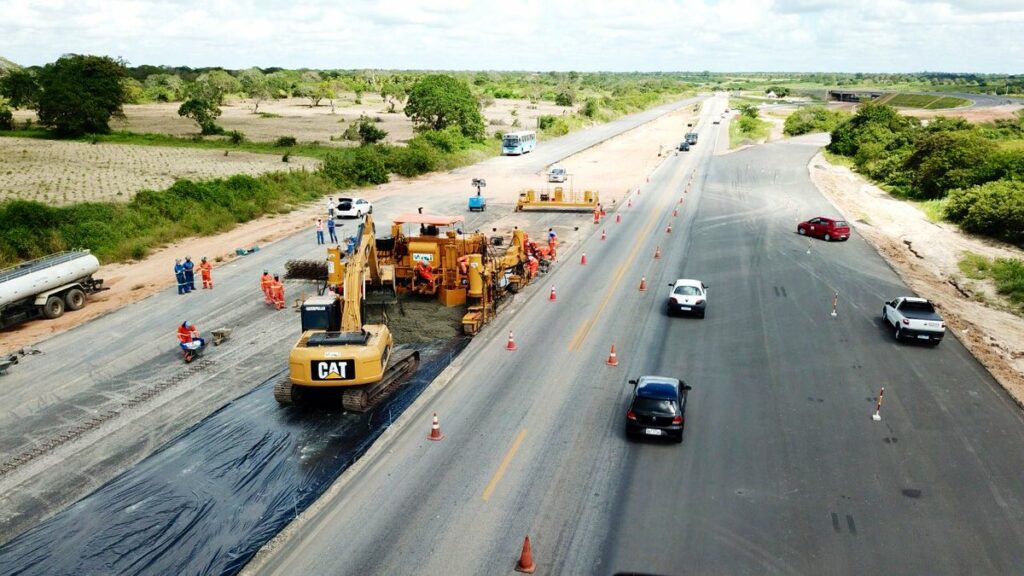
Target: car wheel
54, 307
74, 299
828, 237
885, 318
701, 314
898, 334
801, 231
679, 439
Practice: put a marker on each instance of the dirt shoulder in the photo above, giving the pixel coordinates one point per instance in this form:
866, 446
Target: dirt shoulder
925, 254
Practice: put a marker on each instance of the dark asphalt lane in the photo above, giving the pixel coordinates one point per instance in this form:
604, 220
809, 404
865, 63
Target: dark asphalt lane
782, 469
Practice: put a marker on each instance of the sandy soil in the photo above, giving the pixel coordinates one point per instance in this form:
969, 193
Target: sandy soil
989, 114
611, 168
295, 117
925, 255
58, 172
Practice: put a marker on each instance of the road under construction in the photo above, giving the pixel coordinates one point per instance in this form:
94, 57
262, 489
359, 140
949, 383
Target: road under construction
514, 455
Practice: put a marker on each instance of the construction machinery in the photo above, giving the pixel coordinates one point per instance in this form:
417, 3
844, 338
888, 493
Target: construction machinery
432, 260
478, 202
337, 350
557, 200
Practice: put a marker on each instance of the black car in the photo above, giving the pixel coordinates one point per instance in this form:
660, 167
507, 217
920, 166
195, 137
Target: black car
684, 146
658, 407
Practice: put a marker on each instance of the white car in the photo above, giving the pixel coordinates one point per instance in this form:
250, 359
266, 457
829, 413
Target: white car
353, 208
688, 297
914, 318
557, 174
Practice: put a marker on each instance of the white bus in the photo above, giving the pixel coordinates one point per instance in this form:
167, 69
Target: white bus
521, 142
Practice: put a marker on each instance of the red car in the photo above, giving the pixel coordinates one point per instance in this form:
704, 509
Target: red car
824, 228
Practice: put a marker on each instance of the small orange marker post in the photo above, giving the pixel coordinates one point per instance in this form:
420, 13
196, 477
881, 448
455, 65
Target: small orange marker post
613, 360
603, 235
511, 342
643, 284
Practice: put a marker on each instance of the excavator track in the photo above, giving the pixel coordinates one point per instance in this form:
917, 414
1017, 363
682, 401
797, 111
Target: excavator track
283, 392
364, 398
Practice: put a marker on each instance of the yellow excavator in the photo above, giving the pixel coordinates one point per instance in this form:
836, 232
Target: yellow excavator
336, 349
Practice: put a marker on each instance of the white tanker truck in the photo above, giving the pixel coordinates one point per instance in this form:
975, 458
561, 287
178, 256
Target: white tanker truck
47, 286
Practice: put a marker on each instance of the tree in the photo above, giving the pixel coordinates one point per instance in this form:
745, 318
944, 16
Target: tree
565, 98
20, 88
79, 94
437, 101
393, 93
255, 85
6, 116
204, 112
133, 91
946, 160
214, 85
369, 133
163, 88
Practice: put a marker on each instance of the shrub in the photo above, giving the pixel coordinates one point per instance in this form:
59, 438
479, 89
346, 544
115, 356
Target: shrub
942, 161
418, 157
814, 119
360, 166
994, 209
590, 108
236, 137
285, 141
448, 140
565, 98
545, 121
6, 118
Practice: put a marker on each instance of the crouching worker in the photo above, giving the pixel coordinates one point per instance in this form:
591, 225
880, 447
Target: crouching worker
189, 340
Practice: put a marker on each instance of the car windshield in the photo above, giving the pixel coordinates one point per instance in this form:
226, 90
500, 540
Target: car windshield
654, 405
687, 291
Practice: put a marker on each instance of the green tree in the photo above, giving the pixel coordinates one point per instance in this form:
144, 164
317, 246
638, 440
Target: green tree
254, 84
393, 93
590, 108
437, 101
79, 94
134, 93
942, 161
369, 133
20, 88
6, 116
163, 88
995, 209
204, 113
214, 85
565, 98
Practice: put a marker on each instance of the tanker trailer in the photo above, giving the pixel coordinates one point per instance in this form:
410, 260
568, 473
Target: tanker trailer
47, 286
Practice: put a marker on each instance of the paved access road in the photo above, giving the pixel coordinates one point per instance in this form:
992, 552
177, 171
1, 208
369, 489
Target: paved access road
782, 469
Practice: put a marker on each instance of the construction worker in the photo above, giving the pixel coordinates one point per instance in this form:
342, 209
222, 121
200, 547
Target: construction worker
330, 231
277, 292
532, 264
424, 272
266, 281
330, 207
190, 275
319, 231
205, 269
189, 339
179, 274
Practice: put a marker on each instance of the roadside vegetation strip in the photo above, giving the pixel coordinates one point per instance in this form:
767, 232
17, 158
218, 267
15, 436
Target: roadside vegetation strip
1006, 273
925, 101
748, 129
809, 119
978, 170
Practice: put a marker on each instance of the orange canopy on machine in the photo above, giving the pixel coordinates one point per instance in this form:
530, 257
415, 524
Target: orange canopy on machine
429, 219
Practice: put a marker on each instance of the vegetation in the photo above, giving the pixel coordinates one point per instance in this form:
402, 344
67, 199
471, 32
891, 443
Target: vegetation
20, 88
925, 101
1006, 273
78, 94
204, 112
814, 119
748, 127
438, 101
978, 168
119, 231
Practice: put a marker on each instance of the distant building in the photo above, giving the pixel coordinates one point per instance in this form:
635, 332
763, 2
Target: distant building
771, 95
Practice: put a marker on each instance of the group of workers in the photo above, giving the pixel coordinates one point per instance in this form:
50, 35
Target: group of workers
185, 274
273, 290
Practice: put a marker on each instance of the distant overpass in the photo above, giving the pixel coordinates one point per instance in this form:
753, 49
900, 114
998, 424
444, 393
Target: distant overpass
854, 95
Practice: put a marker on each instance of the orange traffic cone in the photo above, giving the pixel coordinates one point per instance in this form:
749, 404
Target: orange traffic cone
583, 259
618, 218
669, 229
681, 199
552, 297
435, 430
657, 252
612, 359
629, 203
511, 343
643, 283
675, 213
525, 563
603, 234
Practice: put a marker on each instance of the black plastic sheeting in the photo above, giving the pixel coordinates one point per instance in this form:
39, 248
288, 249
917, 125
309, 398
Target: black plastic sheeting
206, 501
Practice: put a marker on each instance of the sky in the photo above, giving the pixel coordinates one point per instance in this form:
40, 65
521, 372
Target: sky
543, 35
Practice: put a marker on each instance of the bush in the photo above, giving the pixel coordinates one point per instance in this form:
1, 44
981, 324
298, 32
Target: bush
590, 108
285, 141
545, 121
814, 119
418, 157
236, 137
565, 98
448, 140
943, 161
994, 209
360, 166
6, 119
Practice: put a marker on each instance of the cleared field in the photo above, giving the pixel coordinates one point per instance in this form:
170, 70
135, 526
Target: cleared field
295, 117
60, 172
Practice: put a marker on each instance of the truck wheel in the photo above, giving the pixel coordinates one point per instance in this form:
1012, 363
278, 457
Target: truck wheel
74, 299
53, 308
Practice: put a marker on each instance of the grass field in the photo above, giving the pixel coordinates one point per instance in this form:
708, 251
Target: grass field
924, 101
747, 130
64, 172
1006, 273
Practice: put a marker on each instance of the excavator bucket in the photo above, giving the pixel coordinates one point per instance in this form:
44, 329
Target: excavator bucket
384, 292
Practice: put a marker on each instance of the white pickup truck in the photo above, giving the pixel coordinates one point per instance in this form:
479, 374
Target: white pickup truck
914, 318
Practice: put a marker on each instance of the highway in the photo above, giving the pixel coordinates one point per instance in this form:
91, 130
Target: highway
782, 470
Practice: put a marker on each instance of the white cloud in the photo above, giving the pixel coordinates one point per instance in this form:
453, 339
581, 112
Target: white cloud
748, 35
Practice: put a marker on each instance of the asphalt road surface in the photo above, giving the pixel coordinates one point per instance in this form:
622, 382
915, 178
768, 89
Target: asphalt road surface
782, 471
105, 394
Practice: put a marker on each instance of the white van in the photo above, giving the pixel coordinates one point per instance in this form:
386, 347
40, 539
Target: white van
557, 174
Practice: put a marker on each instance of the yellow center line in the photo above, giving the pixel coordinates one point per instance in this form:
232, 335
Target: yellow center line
504, 465
584, 329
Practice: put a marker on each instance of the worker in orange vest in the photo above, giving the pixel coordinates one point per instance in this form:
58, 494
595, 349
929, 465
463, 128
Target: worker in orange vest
189, 339
266, 281
531, 265
424, 271
205, 268
277, 292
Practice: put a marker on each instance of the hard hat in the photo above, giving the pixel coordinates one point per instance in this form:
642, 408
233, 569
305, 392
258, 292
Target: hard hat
186, 324
188, 258
204, 258
275, 277
177, 260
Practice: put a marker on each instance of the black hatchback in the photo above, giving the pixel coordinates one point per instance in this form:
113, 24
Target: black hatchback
658, 408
